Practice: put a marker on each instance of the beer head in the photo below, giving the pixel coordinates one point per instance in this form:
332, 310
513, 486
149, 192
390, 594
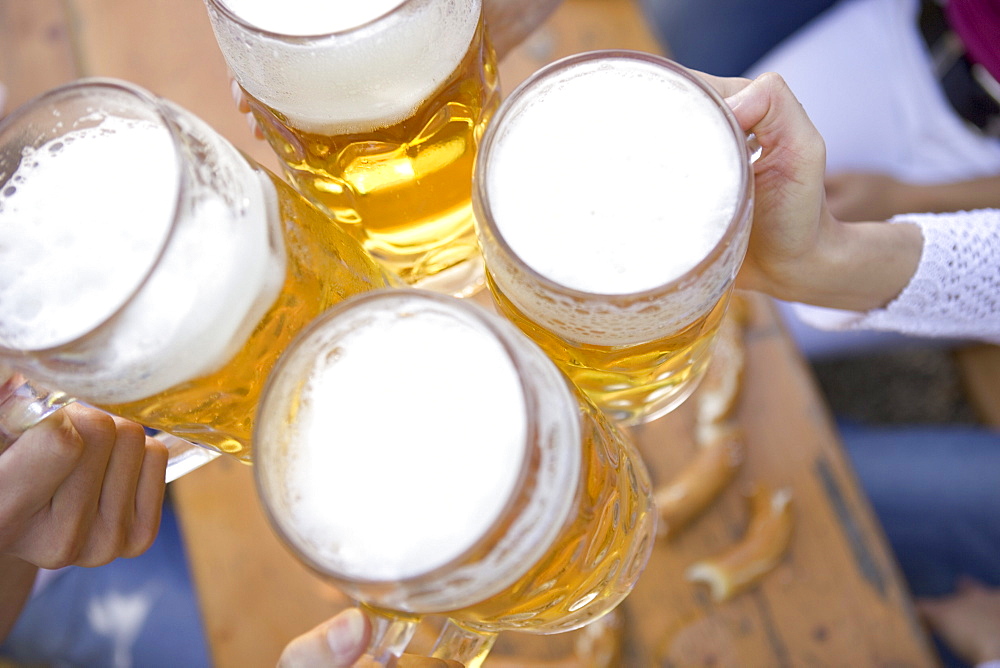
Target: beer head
135, 247
612, 175
66, 203
337, 67
309, 17
400, 450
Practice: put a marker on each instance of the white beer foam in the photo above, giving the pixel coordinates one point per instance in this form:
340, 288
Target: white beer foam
615, 177
81, 221
408, 437
310, 17
65, 266
353, 81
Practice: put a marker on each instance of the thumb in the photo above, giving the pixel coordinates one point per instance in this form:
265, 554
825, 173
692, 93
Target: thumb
768, 108
336, 643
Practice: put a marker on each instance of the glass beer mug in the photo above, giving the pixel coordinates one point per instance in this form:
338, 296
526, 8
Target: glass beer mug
426, 457
149, 268
375, 110
613, 196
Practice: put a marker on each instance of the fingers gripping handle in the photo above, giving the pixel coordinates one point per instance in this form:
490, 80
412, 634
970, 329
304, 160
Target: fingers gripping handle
23, 405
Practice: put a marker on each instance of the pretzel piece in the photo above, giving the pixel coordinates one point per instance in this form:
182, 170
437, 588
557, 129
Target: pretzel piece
714, 466
761, 548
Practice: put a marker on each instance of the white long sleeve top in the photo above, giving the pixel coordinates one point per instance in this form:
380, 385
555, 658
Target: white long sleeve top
955, 292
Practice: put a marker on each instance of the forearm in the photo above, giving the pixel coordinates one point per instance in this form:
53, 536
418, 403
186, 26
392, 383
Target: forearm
16, 580
951, 293
851, 266
864, 266
982, 193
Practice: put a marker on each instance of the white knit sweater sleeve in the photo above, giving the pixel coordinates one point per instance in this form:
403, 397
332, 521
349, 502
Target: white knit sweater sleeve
955, 291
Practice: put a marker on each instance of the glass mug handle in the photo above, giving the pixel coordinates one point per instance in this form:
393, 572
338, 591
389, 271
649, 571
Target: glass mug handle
392, 632
459, 643
753, 144
23, 405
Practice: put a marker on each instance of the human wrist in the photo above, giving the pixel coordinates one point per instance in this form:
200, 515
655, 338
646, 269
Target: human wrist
17, 577
859, 266
14, 569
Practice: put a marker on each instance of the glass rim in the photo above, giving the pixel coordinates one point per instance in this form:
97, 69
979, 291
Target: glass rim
222, 7
481, 200
523, 482
158, 111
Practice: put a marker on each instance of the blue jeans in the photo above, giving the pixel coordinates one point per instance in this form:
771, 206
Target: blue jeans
726, 37
139, 612
936, 491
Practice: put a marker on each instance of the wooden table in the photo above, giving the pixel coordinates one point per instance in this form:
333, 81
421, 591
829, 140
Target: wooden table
836, 599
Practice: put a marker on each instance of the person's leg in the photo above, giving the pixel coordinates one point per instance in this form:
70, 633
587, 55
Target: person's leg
725, 37
132, 612
936, 491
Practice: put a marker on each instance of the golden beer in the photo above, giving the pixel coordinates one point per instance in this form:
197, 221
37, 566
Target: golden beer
631, 383
396, 174
505, 499
594, 562
613, 196
325, 266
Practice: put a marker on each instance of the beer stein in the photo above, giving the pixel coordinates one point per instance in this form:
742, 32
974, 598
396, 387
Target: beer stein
375, 110
426, 457
613, 195
150, 269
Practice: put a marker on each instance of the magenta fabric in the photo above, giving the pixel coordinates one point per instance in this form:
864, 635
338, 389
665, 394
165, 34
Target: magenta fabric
977, 23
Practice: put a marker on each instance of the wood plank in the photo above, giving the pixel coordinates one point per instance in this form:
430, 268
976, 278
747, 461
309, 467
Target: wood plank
837, 594
979, 368
670, 621
38, 48
836, 599
166, 46
574, 27
254, 595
